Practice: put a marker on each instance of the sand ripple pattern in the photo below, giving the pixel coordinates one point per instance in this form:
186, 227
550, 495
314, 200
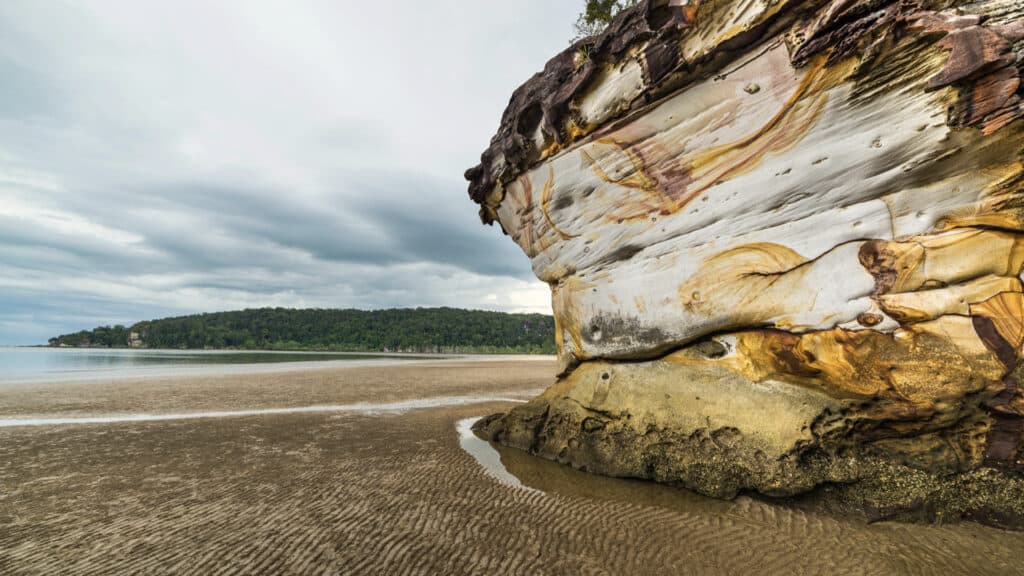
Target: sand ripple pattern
351, 493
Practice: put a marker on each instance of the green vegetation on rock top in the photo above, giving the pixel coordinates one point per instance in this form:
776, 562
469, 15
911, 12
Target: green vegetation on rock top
597, 14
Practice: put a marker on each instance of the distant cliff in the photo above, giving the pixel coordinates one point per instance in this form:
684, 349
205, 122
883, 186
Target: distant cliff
784, 241
395, 330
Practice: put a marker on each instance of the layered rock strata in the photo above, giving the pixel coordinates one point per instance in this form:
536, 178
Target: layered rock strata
784, 241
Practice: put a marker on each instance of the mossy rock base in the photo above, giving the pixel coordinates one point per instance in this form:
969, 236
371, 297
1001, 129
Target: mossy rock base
719, 435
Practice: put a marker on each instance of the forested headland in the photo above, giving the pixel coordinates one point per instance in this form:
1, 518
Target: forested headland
394, 330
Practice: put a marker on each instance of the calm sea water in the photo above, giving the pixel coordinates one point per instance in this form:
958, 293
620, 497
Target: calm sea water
55, 364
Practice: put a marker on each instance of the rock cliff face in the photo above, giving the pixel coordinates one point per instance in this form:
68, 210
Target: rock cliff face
784, 241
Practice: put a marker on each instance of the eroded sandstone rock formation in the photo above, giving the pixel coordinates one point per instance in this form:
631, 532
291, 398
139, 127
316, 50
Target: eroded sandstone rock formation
784, 241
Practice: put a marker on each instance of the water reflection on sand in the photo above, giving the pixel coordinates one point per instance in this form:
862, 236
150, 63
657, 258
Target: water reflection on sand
365, 407
486, 454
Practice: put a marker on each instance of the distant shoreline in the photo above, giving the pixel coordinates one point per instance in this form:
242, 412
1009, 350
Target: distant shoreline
102, 364
429, 330
284, 351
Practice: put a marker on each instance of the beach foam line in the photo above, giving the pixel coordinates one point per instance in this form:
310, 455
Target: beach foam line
400, 406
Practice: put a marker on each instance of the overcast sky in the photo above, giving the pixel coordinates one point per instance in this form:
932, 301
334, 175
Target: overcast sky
160, 158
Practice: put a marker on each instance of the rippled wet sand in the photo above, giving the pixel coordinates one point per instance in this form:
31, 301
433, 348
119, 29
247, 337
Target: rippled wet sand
393, 493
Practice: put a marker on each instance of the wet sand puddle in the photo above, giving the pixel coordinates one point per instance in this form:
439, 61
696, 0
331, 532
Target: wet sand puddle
363, 407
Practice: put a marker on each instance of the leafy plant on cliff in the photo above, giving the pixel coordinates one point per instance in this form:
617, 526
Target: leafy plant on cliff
597, 14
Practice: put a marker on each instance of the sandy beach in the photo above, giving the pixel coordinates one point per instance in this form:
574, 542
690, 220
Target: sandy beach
382, 488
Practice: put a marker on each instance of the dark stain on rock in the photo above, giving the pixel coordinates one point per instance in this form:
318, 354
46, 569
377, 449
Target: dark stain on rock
609, 329
620, 254
880, 263
994, 341
710, 348
562, 202
659, 59
1004, 441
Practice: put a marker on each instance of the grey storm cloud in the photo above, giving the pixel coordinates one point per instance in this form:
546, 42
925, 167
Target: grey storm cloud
383, 219
159, 159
